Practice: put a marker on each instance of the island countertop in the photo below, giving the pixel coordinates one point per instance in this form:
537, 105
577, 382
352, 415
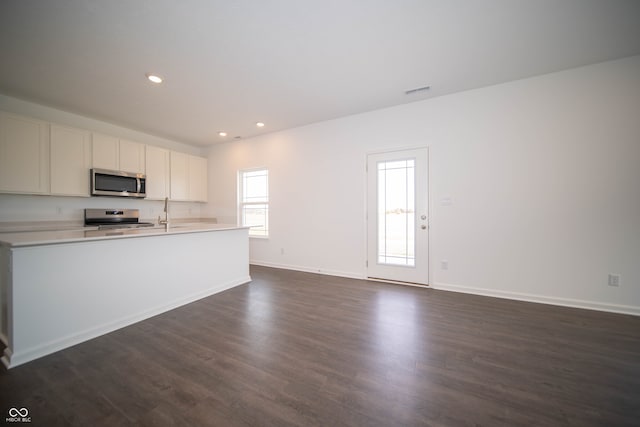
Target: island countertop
40, 238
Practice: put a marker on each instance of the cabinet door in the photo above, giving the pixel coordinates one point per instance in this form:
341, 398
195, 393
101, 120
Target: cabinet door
24, 155
70, 161
157, 171
197, 179
179, 176
131, 156
105, 152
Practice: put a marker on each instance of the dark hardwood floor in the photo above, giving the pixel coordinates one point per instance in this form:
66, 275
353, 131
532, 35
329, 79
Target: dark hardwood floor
298, 349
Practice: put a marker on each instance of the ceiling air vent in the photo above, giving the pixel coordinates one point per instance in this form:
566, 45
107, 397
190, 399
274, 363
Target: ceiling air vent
417, 90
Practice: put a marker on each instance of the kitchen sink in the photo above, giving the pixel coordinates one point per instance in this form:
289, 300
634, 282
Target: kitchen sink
171, 226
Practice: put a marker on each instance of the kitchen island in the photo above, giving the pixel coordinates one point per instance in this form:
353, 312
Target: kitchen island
60, 288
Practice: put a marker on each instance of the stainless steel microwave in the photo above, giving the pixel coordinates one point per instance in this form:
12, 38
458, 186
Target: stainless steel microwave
106, 182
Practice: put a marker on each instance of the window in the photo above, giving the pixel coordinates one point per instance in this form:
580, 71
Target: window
253, 201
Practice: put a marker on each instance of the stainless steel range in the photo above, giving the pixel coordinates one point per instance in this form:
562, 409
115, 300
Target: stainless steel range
114, 218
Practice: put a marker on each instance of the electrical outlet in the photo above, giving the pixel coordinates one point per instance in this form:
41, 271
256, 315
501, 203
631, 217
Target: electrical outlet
614, 279
444, 264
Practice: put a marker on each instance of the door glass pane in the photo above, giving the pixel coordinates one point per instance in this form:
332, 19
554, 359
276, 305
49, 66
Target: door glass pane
396, 212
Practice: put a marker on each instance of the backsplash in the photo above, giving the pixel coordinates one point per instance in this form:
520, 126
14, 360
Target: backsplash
26, 208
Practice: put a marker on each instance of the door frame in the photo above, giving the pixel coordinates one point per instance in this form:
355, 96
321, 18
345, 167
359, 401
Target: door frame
366, 212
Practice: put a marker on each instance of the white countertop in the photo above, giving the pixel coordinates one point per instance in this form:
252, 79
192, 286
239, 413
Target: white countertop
39, 238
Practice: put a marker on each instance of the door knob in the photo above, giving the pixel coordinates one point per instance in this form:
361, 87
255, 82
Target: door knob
424, 227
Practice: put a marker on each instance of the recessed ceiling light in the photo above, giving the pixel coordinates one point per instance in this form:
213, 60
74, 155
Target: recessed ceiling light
153, 78
222, 133
260, 124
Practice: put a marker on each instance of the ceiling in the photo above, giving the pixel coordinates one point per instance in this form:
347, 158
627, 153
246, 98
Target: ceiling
287, 63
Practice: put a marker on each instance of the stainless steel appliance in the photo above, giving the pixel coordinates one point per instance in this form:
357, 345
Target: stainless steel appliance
114, 218
106, 182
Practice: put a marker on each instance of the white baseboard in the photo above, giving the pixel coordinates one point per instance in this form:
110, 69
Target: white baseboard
6, 357
316, 270
542, 299
565, 302
12, 360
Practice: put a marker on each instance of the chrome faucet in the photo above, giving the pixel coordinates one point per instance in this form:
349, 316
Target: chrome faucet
165, 221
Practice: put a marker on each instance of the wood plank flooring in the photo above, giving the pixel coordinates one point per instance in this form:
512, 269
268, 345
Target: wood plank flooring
298, 349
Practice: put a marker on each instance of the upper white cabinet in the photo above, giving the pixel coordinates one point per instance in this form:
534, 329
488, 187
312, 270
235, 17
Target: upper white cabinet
198, 179
37, 157
117, 154
106, 152
179, 176
131, 156
188, 177
24, 155
157, 162
70, 161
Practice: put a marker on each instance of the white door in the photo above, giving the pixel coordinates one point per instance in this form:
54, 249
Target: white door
397, 216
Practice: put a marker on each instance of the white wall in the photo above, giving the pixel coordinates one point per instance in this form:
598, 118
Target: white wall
543, 174
17, 208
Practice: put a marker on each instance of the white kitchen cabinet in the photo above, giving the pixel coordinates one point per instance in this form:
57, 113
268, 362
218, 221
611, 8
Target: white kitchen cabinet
106, 153
70, 161
113, 153
188, 177
24, 155
198, 179
37, 157
157, 167
179, 176
131, 156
